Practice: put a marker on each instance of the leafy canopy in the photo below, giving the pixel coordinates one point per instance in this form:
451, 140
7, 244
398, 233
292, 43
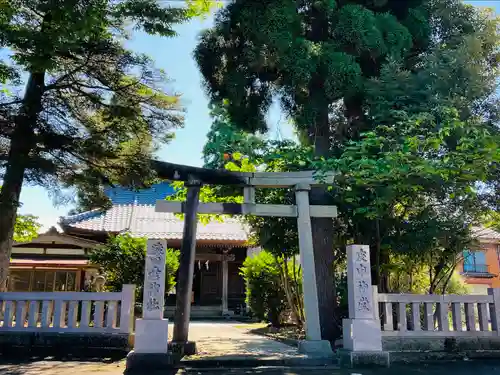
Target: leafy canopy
309, 54
92, 111
366, 71
417, 178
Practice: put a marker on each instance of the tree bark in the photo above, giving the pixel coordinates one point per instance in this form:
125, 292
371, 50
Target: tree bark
21, 144
322, 228
324, 257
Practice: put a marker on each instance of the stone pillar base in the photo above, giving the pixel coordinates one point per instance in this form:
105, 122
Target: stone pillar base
362, 335
183, 348
151, 336
141, 363
316, 348
353, 359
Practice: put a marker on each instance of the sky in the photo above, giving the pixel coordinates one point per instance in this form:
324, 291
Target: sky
174, 55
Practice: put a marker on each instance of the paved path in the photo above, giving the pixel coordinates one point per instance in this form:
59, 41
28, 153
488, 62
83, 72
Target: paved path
232, 340
214, 340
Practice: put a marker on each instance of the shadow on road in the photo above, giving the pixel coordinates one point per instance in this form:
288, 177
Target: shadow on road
55, 365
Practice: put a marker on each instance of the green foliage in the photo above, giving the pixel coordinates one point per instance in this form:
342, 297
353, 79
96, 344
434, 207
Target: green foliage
223, 138
492, 219
200, 8
341, 71
411, 275
207, 194
265, 295
122, 261
417, 180
429, 162
93, 112
414, 187
26, 228
286, 51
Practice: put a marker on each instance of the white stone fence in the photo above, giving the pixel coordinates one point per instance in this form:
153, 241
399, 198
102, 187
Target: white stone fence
76, 312
413, 315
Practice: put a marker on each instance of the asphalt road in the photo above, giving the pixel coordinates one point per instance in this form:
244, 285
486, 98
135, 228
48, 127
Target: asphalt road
453, 368
117, 368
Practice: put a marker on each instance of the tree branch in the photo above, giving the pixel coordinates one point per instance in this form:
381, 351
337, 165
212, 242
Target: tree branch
19, 101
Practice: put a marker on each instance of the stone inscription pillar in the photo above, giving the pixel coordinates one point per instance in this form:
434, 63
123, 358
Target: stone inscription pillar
154, 280
151, 332
362, 330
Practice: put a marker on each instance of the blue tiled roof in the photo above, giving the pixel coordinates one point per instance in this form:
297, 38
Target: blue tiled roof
124, 196
119, 195
134, 212
144, 221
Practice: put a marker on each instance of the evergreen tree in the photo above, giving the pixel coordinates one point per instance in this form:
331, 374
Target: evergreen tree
91, 112
323, 60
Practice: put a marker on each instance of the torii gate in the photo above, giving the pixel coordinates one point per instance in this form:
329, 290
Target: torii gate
301, 182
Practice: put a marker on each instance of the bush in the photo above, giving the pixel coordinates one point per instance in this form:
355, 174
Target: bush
406, 276
122, 259
265, 295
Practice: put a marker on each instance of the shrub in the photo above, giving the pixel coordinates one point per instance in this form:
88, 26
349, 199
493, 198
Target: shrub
265, 295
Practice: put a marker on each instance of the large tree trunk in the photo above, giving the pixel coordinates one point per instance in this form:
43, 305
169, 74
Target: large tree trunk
324, 256
322, 228
9, 202
21, 144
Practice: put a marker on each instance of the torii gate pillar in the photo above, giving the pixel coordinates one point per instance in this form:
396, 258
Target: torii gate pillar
313, 344
184, 287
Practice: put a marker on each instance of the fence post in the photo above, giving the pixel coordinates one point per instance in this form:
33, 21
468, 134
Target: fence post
127, 308
495, 310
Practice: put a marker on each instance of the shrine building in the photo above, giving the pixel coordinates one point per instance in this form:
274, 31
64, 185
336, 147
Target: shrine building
218, 287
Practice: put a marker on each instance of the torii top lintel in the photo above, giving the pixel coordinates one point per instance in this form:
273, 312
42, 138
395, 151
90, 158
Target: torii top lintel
179, 172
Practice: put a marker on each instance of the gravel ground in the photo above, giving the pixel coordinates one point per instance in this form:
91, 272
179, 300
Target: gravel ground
233, 340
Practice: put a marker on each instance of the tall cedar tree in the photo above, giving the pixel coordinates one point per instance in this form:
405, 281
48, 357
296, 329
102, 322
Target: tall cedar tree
91, 112
318, 57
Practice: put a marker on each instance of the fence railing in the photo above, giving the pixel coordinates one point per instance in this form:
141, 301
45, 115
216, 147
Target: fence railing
79, 312
439, 315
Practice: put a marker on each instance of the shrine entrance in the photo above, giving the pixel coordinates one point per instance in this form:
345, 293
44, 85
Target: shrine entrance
207, 283
362, 331
301, 183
